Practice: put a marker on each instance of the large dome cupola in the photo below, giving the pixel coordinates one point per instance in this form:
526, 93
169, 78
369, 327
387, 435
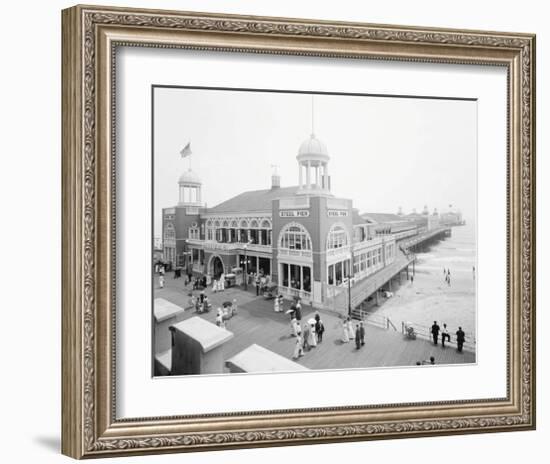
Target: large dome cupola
313, 161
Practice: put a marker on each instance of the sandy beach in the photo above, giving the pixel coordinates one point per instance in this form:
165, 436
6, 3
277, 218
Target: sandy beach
429, 298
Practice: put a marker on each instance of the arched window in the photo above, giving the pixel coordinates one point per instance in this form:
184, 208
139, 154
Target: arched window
266, 224
253, 224
337, 237
225, 224
244, 224
295, 236
234, 224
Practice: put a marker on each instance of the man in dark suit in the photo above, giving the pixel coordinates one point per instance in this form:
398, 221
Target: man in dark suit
460, 338
435, 332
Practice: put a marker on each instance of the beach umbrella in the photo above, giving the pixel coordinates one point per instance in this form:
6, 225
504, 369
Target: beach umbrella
288, 311
311, 321
225, 304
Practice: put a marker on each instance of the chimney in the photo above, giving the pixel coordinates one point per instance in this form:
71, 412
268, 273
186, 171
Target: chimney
275, 181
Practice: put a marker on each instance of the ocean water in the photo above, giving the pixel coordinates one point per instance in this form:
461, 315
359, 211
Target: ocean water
456, 253
429, 298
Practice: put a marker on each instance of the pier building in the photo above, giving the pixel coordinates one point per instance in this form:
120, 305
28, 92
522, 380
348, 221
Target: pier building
309, 242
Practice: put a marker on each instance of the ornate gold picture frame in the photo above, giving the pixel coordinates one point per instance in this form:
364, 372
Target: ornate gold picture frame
90, 38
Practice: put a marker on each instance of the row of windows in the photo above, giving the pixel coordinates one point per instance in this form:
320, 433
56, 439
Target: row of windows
293, 237
338, 272
367, 260
242, 224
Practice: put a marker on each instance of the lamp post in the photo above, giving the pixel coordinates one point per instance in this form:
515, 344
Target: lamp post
349, 296
245, 247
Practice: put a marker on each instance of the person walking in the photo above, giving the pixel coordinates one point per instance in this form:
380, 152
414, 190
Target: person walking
357, 337
351, 332
219, 319
294, 327
298, 348
298, 311
313, 336
345, 331
257, 282
445, 335
161, 280
276, 306
435, 332
307, 337
319, 329
460, 339
362, 333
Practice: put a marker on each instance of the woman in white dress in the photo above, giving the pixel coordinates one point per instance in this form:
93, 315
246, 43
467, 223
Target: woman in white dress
298, 348
351, 331
276, 306
345, 331
214, 285
313, 336
221, 283
296, 329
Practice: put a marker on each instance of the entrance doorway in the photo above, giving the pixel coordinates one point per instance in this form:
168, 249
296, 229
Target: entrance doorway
216, 267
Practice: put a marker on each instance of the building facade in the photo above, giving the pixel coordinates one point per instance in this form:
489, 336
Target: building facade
305, 239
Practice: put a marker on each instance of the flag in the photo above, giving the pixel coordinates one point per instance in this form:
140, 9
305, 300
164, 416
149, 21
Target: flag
186, 151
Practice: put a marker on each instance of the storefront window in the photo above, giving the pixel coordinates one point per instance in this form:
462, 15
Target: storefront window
295, 277
284, 268
338, 272
307, 279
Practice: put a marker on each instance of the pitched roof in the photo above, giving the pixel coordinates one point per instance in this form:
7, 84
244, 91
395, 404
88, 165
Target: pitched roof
383, 217
255, 200
356, 217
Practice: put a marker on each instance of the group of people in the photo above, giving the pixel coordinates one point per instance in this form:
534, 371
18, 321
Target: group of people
201, 304
223, 314
218, 285
307, 337
278, 304
261, 282
357, 333
445, 335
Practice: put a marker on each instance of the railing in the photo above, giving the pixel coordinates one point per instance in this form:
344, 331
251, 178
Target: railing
257, 247
377, 320
425, 333
373, 242
339, 252
295, 292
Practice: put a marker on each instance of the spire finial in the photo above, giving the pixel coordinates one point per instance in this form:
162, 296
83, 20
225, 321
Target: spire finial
312, 116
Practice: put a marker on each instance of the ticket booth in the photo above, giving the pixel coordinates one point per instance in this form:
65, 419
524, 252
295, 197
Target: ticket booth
198, 347
256, 358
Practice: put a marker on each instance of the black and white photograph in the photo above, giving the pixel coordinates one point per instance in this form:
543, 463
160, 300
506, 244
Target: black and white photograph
297, 231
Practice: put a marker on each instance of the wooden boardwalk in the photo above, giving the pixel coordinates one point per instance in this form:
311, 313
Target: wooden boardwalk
256, 322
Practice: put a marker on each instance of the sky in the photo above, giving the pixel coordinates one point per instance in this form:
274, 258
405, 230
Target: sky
385, 152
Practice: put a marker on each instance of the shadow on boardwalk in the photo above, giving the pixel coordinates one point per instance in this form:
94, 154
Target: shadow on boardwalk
256, 322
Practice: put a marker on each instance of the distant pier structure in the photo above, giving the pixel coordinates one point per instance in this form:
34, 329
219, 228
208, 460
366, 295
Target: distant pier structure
412, 233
